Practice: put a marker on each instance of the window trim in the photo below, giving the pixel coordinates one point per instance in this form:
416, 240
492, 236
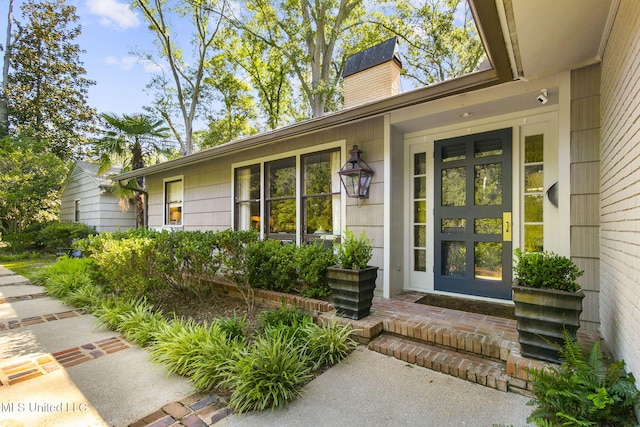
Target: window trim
341, 145
165, 220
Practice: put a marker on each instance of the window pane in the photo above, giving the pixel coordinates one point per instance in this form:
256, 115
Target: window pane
454, 152
174, 191
488, 260
317, 174
488, 148
533, 208
282, 216
533, 179
454, 262
319, 212
533, 238
282, 178
488, 226
533, 149
248, 216
248, 183
454, 225
454, 182
420, 164
420, 235
488, 184
419, 260
420, 187
420, 211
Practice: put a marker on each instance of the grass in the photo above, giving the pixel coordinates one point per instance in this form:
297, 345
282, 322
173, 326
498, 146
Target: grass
26, 264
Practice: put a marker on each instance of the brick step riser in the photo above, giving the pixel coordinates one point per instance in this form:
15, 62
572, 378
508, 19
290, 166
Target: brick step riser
490, 374
451, 339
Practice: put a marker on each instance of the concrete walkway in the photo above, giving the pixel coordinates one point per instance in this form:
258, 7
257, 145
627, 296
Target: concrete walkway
57, 369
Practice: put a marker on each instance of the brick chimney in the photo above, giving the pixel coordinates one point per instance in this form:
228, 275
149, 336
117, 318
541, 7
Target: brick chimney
372, 74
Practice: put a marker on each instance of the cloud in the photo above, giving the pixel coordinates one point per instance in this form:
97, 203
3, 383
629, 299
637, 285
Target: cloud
126, 63
113, 13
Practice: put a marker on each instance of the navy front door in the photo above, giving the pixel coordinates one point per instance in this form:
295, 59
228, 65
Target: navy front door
472, 214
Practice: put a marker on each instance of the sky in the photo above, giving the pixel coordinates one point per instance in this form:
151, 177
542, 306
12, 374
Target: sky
110, 32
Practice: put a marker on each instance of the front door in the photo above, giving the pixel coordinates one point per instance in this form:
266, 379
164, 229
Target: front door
472, 215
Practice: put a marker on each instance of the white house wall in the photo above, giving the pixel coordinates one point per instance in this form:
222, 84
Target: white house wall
619, 190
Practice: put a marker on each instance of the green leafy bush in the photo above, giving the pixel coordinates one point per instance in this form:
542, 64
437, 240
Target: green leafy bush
282, 316
584, 391
328, 344
47, 237
140, 323
204, 353
270, 265
128, 265
269, 374
354, 252
312, 261
233, 326
231, 253
65, 275
546, 270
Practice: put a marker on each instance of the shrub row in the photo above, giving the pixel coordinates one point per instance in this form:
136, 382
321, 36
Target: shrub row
47, 237
139, 261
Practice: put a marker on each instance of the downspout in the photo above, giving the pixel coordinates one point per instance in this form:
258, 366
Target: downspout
145, 215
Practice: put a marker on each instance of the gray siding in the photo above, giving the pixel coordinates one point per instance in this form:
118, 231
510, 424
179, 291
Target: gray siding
585, 190
98, 209
620, 189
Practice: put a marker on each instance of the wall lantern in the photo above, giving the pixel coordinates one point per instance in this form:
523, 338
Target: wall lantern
356, 175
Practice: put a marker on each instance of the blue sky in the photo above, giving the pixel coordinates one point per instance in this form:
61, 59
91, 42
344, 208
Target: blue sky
110, 31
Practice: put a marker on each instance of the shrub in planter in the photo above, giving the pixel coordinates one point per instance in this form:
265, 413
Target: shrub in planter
353, 281
584, 390
548, 301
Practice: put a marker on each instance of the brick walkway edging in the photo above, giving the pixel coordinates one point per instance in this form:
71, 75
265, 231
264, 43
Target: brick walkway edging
196, 410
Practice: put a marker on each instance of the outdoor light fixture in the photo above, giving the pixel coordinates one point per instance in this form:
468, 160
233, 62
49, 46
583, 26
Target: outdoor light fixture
356, 175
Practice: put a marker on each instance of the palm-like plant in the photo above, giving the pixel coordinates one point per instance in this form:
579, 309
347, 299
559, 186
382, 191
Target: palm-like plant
132, 141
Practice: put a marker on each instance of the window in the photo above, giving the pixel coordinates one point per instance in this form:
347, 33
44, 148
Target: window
281, 199
173, 202
321, 195
308, 182
533, 193
76, 209
247, 199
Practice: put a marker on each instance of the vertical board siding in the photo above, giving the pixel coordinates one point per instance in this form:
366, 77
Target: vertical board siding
620, 188
585, 190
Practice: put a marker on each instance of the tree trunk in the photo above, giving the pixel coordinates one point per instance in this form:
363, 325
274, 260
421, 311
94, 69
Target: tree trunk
4, 114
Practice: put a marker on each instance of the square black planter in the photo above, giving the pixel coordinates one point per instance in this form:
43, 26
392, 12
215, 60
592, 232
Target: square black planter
352, 290
543, 315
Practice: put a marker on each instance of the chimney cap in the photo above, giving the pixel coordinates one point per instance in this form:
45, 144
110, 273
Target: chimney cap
376, 55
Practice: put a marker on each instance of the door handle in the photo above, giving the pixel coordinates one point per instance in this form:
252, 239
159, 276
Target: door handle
507, 226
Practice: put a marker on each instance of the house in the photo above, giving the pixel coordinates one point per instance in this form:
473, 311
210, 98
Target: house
539, 151
86, 197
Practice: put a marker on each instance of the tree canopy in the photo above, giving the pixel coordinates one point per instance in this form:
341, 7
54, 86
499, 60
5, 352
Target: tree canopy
46, 89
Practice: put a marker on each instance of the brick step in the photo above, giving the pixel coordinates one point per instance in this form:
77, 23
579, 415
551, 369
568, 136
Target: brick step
509, 376
456, 338
485, 372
